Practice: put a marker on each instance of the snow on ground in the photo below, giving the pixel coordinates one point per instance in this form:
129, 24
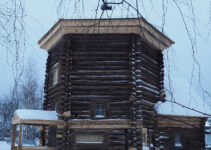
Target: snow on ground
185, 95
145, 148
4, 145
36, 114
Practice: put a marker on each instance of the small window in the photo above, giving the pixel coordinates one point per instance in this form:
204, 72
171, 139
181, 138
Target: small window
55, 74
56, 106
144, 139
144, 136
177, 140
100, 110
89, 139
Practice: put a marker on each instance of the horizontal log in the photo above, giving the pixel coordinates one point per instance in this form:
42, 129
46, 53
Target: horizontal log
98, 97
102, 63
99, 88
100, 72
103, 54
101, 124
99, 77
100, 82
99, 58
102, 92
34, 148
101, 68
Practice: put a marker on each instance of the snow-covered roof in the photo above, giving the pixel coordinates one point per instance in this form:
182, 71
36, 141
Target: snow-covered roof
186, 95
34, 116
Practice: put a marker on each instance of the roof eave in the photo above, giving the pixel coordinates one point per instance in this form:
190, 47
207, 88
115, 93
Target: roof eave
88, 26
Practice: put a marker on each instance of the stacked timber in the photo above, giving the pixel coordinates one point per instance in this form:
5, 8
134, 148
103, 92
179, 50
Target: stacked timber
100, 73
119, 70
135, 138
191, 131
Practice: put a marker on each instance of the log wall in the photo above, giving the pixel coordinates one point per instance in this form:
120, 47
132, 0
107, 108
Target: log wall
99, 73
119, 70
191, 129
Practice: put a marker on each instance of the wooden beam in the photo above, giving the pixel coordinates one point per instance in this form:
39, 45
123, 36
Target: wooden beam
20, 138
123, 26
85, 123
36, 148
38, 122
102, 124
14, 127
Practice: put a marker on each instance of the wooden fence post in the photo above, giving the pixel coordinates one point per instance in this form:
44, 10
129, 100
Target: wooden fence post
20, 138
14, 127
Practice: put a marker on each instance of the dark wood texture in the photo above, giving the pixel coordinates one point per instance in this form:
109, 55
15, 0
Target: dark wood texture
191, 129
119, 70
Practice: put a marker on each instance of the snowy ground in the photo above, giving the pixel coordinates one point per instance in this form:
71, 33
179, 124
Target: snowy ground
4, 145
145, 148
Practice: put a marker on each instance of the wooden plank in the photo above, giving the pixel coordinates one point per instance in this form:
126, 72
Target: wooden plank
102, 124
37, 148
40, 122
20, 138
138, 26
14, 127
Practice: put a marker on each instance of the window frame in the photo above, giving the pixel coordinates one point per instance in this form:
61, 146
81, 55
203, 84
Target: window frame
100, 110
106, 109
55, 72
145, 134
182, 136
179, 136
88, 134
102, 146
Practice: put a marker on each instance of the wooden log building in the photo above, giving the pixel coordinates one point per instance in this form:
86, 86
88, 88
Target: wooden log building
176, 132
103, 77
180, 128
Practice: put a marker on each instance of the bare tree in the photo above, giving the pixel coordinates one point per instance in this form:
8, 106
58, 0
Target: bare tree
31, 93
12, 37
29, 96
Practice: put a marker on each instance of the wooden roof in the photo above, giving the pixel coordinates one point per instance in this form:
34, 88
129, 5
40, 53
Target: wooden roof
36, 117
106, 26
176, 121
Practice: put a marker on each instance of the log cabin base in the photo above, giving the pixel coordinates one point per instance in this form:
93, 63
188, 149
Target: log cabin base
104, 81
122, 72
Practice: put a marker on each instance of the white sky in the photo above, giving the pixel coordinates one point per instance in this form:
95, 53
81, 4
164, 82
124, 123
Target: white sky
43, 14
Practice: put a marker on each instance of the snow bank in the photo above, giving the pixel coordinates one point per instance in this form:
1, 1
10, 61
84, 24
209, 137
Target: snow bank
145, 148
185, 95
4, 145
25, 114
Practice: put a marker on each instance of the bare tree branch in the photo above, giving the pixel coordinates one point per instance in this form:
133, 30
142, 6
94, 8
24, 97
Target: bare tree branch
193, 109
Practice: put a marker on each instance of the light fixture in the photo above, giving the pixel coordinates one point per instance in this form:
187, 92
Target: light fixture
107, 5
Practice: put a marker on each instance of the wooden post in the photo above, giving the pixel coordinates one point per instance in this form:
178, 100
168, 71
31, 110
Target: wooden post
42, 137
20, 138
60, 143
14, 127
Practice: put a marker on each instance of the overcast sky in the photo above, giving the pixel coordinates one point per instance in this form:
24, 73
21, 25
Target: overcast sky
42, 15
